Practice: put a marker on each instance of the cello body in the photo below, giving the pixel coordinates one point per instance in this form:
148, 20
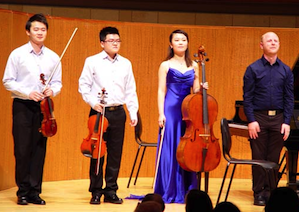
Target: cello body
190, 149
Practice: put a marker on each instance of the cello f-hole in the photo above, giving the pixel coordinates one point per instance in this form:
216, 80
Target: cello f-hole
194, 135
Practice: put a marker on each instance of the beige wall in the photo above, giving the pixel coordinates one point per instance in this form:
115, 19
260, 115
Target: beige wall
211, 19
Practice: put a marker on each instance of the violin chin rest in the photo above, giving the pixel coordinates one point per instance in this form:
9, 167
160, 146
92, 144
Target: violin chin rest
87, 154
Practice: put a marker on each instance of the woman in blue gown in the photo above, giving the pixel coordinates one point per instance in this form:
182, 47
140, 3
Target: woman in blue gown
178, 74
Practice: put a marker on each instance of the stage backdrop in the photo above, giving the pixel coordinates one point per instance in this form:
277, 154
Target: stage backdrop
230, 50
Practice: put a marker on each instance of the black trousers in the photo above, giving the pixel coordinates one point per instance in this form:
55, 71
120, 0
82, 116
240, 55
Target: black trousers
267, 146
114, 137
29, 147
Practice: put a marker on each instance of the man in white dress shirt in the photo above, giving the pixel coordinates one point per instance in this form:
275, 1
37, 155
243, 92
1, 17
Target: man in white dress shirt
22, 78
110, 71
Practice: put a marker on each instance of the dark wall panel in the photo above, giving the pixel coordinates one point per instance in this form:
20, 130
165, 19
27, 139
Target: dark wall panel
274, 7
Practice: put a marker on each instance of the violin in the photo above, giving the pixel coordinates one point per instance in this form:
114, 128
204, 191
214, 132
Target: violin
199, 149
93, 145
48, 126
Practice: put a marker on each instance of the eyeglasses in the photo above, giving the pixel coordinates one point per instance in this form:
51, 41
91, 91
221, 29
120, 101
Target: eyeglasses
113, 41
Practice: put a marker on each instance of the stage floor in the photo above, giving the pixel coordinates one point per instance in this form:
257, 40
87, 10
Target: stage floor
73, 195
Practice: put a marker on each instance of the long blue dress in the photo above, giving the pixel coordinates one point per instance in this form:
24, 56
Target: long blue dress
172, 182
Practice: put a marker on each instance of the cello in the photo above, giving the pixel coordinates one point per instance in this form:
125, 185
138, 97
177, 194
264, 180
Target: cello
93, 145
199, 149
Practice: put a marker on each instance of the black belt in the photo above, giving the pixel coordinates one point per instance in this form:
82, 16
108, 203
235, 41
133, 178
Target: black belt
27, 102
269, 112
113, 108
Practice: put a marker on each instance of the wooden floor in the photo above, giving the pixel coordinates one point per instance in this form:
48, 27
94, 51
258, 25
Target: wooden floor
73, 195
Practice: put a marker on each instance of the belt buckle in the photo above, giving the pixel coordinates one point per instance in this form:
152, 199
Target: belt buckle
271, 112
111, 108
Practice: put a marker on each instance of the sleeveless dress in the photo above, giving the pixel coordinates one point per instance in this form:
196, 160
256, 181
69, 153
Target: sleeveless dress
172, 182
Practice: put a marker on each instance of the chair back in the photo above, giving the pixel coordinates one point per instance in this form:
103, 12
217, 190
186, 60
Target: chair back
138, 129
226, 139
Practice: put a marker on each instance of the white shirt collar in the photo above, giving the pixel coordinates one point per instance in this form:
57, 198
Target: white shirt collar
104, 55
31, 50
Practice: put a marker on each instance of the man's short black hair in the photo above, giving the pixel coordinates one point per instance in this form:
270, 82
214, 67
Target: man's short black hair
106, 31
37, 17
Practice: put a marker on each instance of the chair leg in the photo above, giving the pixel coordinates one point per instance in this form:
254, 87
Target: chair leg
282, 159
222, 184
141, 159
281, 173
283, 169
230, 182
133, 166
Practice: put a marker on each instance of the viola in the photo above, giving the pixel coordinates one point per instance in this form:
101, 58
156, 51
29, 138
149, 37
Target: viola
199, 149
94, 145
90, 145
48, 126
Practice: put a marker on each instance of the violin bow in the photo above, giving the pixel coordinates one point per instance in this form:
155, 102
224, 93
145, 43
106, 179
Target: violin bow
159, 154
101, 138
100, 142
52, 73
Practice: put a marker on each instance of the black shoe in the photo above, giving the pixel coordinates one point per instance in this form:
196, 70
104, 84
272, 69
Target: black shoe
96, 199
266, 199
259, 201
36, 200
22, 201
113, 198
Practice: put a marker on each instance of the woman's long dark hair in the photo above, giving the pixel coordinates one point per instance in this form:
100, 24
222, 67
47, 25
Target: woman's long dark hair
170, 50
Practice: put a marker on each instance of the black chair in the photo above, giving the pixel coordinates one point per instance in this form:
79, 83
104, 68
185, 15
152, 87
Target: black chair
268, 166
141, 143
